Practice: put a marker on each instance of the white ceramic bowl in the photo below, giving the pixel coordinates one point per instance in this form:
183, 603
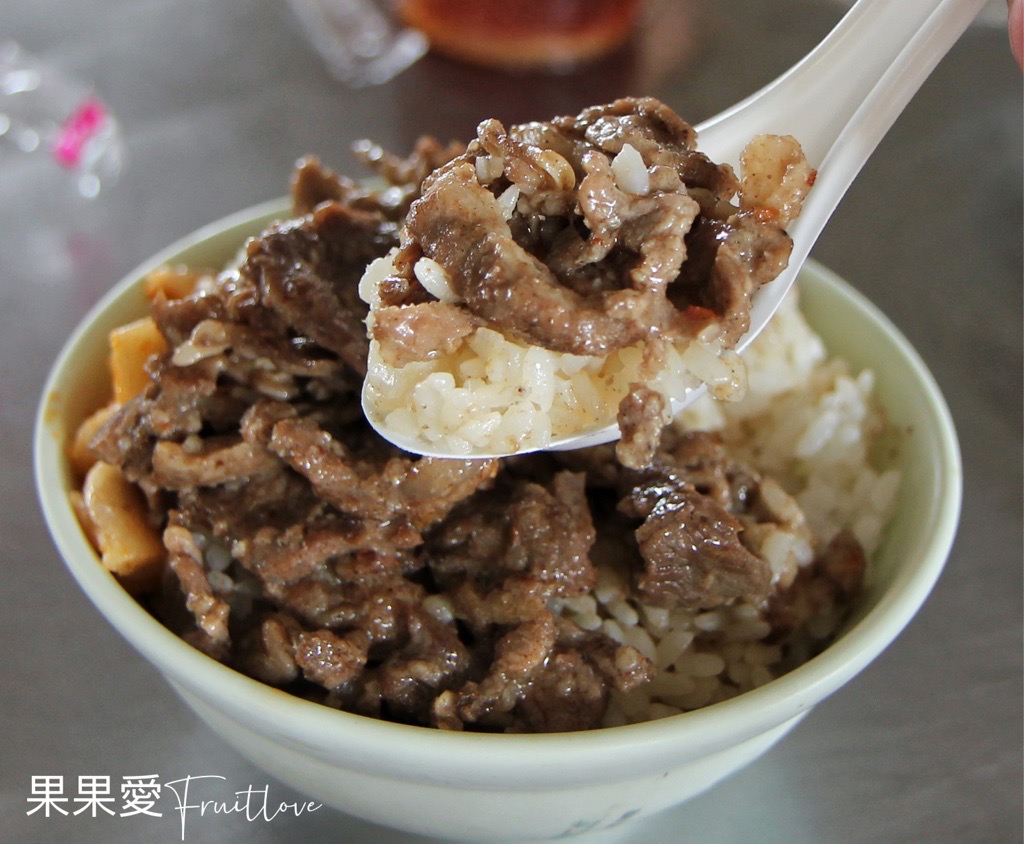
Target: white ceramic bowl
493, 787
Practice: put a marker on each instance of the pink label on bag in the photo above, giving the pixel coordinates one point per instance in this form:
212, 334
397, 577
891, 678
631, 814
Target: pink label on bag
83, 123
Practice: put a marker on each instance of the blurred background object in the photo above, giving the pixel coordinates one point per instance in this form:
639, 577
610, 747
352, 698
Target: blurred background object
553, 34
44, 112
368, 42
516, 61
360, 40
447, 97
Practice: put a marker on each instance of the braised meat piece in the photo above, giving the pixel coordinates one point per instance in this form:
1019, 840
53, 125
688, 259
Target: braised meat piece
702, 523
308, 272
313, 184
691, 549
546, 676
519, 530
586, 234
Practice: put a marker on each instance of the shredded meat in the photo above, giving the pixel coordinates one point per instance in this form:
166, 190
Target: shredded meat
643, 413
307, 552
420, 332
210, 612
701, 522
618, 228
308, 272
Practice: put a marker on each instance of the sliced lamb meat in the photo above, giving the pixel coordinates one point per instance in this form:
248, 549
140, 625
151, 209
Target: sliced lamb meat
313, 185
546, 675
750, 255
658, 134
210, 612
308, 271
432, 660
517, 657
177, 318
576, 234
482, 608
170, 408
692, 551
567, 694
651, 224
519, 529
254, 344
421, 491
643, 413
210, 462
378, 604
331, 660
305, 549
267, 650
460, 225
421, 331
406, 174
711, 530
623, 666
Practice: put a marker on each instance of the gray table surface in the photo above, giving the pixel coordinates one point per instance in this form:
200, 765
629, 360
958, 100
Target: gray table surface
217, 99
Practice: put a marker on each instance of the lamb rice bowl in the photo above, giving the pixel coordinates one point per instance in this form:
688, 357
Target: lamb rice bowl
276, 532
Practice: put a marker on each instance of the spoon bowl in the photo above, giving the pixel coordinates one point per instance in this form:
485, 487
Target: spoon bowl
838, 101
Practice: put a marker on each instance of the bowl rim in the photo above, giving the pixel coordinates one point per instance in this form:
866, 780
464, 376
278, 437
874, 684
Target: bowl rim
744, 716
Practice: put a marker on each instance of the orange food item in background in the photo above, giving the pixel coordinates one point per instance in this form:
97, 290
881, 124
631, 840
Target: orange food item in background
172, 282
522, 33
113, 515
80, 455
131, 346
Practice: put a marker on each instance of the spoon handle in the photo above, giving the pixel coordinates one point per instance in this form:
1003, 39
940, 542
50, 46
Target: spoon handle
816, 98
839, 102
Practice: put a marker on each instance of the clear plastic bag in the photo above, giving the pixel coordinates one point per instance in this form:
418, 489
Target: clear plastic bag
360, 41
44, 112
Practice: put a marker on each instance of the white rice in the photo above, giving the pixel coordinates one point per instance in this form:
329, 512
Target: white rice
811, 423
500, 395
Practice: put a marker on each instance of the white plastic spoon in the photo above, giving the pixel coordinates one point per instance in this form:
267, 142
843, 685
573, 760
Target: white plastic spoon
838, 101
